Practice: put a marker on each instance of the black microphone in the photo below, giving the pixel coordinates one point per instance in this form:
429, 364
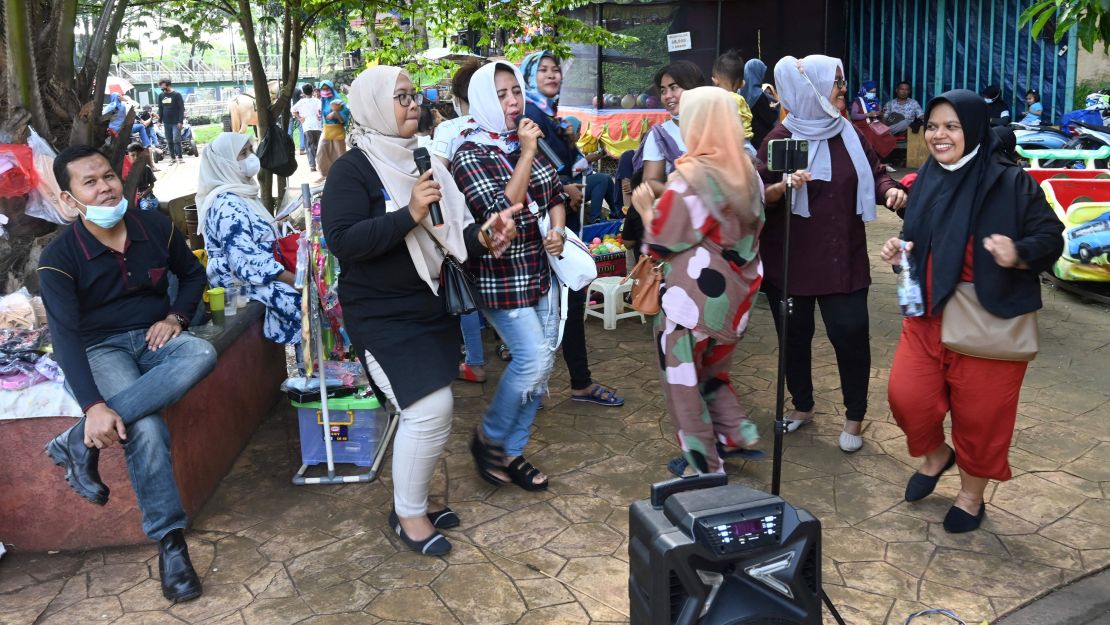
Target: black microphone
423, 164
546, 149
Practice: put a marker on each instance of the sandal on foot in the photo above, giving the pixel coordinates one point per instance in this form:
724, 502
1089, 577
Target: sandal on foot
468, 374
740, 452
488, 458
677, 466
524, 474
601, 395
444, 519
503, 352
434, 545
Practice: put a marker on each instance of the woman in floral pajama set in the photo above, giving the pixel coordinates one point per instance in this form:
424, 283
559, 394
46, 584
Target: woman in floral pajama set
705, 229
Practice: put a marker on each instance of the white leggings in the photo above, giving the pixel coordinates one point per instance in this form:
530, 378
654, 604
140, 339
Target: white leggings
421, 437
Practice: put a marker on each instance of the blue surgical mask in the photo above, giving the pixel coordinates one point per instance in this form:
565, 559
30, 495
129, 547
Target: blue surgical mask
871, 96
105, 216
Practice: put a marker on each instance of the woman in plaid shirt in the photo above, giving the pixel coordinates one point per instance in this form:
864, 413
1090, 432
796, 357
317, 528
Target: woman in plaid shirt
497, 167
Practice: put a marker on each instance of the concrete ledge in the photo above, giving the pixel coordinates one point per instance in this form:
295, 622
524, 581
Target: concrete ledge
209, 427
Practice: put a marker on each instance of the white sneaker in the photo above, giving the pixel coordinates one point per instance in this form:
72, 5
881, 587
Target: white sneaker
850, 443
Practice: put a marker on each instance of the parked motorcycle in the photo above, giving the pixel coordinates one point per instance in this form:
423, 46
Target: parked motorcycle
1040, 137
188, 145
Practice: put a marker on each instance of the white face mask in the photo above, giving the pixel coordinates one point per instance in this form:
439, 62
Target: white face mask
250, 165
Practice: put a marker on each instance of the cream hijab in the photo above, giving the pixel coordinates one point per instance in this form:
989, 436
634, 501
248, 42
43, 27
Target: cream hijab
220, 173
715, 164
374, 131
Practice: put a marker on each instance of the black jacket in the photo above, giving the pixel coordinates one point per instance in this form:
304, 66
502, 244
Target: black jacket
1015, 207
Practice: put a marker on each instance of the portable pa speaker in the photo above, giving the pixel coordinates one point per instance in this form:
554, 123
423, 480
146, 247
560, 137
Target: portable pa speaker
724, 555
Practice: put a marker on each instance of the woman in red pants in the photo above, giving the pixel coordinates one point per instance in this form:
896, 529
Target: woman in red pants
974, 216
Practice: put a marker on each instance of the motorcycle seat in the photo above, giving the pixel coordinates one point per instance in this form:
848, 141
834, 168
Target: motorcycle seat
1095, 127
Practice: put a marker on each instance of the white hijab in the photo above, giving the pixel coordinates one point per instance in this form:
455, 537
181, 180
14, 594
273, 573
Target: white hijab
220, 173
804, 87
374, 131
485, 108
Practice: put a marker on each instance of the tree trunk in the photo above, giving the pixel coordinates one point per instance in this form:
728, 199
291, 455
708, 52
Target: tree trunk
63, 59
261, 93
23, 81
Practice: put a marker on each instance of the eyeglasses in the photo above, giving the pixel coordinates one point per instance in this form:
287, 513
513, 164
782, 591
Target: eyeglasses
407, 99
840, 83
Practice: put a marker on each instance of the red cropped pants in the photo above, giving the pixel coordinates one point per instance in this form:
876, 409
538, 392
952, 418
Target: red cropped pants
927, 381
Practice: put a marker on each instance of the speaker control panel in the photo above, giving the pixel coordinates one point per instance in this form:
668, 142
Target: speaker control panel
741, 530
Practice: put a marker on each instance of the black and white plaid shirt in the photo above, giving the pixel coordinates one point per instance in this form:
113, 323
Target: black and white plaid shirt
521, 275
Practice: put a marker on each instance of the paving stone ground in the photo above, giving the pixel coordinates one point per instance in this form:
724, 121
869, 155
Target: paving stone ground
275, 554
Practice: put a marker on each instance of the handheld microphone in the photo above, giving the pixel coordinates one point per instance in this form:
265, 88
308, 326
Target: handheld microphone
556, 162
423, 164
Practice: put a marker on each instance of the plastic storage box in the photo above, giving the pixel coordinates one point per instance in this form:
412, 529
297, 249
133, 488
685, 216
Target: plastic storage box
357, 427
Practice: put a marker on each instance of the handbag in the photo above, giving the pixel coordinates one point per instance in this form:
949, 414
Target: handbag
460, 289
285, 251
647, 277
968, 328
575, 267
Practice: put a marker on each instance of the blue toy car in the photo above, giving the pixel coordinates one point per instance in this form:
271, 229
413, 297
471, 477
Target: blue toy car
1089, 240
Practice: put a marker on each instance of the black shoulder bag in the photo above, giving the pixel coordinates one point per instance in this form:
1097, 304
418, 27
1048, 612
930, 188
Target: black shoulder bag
458, 288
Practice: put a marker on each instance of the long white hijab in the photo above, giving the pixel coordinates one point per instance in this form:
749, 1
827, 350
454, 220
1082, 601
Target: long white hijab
804, 86
220, 173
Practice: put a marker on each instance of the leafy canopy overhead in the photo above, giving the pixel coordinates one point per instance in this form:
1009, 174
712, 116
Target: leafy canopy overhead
1091, 17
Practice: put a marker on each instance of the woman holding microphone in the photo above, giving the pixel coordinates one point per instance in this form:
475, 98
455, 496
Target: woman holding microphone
499, 166
375, 217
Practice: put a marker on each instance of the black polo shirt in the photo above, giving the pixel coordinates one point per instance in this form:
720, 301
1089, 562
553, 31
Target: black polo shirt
92, 292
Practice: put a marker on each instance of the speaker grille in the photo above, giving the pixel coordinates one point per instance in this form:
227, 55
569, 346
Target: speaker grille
678, 596
811, 570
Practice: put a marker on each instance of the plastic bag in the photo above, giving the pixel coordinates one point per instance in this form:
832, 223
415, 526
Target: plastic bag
277, 152
45, 201
17, 170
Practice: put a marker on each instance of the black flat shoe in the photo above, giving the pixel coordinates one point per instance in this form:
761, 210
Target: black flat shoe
921, 486
957, 521
434, 545
179, 579
68, 450
444, 519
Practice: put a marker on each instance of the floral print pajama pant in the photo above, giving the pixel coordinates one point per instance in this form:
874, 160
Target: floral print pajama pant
700, 399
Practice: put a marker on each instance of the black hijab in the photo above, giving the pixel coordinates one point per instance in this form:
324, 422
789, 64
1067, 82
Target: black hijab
943, 204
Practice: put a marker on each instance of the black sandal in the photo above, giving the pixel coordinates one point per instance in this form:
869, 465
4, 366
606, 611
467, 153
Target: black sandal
523, 473
488, 457
503, 352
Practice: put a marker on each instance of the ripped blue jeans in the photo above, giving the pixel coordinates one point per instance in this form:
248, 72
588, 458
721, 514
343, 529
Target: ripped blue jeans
531, 334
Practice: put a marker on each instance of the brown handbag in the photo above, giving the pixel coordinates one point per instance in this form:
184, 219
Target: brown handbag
646, 276
967, 328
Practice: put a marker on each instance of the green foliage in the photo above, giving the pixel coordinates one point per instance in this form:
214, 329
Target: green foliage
629, 75
527, 26
1090, 17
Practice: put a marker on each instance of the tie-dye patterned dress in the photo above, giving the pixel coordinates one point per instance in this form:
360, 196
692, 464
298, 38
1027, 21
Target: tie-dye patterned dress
712, 273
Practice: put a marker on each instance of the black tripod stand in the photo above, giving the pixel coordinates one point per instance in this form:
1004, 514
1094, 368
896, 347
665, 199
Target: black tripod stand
787, 156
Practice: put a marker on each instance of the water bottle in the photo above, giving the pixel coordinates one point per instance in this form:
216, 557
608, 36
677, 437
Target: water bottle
909, 291
302, 264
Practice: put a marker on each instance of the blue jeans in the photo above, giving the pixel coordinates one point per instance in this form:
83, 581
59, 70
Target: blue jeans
144, 138
173, 140
138, 383
531, 334
599, 188
471, 324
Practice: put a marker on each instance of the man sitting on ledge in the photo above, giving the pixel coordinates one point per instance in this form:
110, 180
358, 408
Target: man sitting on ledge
120, 343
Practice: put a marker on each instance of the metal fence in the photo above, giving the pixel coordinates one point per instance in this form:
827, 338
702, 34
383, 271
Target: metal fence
939, 45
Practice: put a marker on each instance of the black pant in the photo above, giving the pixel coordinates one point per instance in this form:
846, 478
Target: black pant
574, 342
846, 323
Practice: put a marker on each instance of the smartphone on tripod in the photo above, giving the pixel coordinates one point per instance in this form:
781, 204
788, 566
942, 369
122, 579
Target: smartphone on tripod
788, 155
